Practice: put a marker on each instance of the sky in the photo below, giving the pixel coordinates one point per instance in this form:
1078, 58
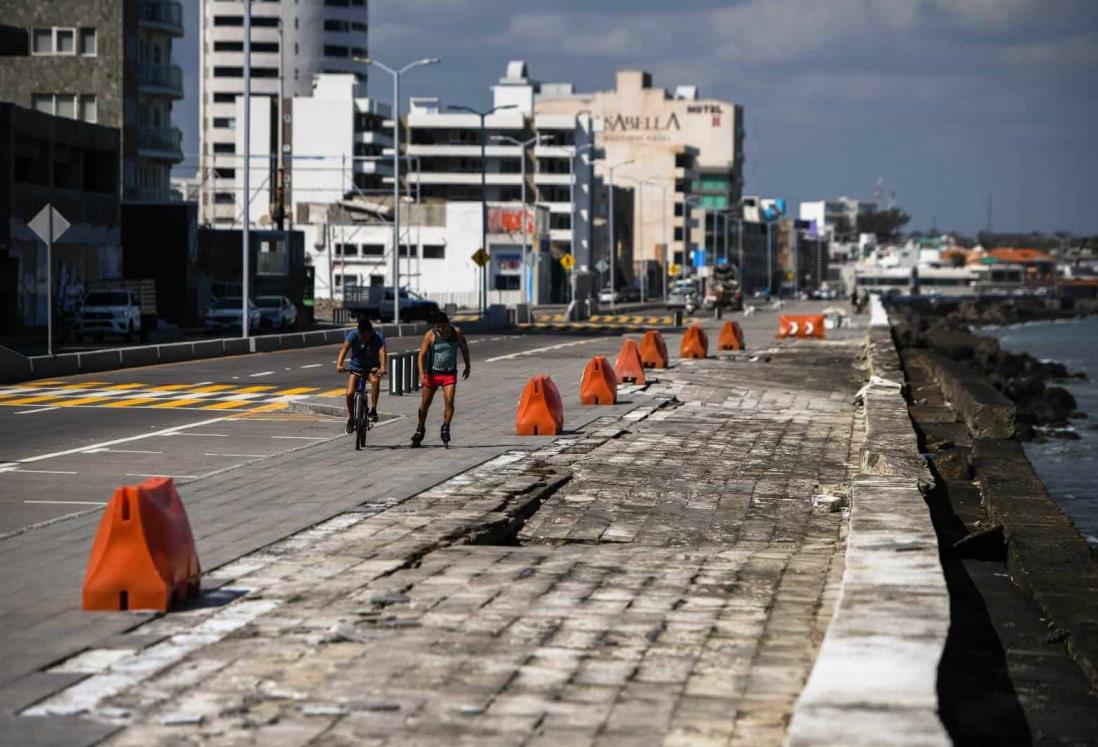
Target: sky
951, 103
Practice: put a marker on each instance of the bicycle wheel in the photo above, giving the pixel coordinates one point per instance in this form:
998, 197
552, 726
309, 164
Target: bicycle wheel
361, 421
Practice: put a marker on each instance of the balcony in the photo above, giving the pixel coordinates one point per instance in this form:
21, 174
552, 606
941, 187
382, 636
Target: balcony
165, 80
161, 15
164, 143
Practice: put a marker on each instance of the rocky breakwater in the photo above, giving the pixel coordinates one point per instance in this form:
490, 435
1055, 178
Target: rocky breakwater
1042, 408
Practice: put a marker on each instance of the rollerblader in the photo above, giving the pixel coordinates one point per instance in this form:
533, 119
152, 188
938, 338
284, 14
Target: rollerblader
438, 361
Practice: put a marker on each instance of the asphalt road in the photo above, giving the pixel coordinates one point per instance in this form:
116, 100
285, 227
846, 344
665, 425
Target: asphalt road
66, 444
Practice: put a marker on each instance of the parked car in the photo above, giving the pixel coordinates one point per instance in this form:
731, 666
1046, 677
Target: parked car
629, 294
276, 313
224, 315
109, 312
682, 293
608, 296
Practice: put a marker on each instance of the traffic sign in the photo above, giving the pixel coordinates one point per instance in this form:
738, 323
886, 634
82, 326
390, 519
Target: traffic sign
481, 257
602, 265
568, 261
43, 223
673, 269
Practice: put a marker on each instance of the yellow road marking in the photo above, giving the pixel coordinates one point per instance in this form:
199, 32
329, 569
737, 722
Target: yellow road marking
233, 403
84, 385
271, 407
333, 393
179, 402
31, 400
211, 388
131, 402
123, 386
48, 382
298, 390
258, 388
83, 401
169, 387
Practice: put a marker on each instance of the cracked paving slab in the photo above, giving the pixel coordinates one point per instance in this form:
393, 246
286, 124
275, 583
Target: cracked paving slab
660, 578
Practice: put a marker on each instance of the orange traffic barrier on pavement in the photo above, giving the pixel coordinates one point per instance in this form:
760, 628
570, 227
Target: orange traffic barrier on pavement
804, 325
143, 556
694, 343
540, 410
731, 337
599, 385
653, 350
628, 366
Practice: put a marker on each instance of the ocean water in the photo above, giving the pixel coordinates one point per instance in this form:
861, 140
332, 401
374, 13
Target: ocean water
1069, 469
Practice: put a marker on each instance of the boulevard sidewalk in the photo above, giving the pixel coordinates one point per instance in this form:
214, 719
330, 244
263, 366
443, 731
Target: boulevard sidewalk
663, 575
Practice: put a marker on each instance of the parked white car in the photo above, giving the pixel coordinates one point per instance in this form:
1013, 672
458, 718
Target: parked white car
109, 312
276, 313
224, 316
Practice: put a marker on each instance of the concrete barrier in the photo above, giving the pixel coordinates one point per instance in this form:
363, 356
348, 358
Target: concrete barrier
176, 352
983, 408
43, 366
266, 343
236, 346
99, 360
13, 366
209, 349
142, 356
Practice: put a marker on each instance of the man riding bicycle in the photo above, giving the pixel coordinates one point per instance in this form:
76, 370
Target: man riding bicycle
368, 357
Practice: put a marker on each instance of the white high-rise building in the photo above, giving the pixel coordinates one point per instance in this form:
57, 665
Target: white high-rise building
291, 43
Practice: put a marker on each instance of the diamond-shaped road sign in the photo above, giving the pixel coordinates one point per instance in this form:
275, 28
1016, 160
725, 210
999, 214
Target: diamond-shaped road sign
602, 265
568, 261
481, 257
40, 224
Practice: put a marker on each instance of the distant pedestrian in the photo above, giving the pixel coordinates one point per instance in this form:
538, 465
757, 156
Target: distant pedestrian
438, 354
367, 358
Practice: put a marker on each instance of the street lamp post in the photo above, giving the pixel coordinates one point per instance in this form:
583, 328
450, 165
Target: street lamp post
396, 73
613, 250
572, 200
483, 191
524, 144
247, 216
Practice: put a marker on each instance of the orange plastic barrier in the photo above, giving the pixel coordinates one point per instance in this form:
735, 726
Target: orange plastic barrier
805, 325
540, 410
731, 337
629, 366
694, 343
143, 556
653, 350
599, 385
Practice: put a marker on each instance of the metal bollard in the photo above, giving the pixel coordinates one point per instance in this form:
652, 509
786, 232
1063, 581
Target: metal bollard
396, 374
717, 312
408, 379
417, 378
678, 317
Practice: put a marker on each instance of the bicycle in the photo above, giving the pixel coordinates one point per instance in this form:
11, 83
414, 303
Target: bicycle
361, 410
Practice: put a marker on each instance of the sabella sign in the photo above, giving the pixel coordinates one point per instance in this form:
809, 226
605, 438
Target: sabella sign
641, 123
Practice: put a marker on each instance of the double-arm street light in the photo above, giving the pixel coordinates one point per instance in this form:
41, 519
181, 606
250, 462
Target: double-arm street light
666, 239
613, 250
483, 191
523, 144
396, 73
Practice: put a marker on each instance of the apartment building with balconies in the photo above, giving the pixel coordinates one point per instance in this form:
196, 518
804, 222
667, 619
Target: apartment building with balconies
291, 43
106, 62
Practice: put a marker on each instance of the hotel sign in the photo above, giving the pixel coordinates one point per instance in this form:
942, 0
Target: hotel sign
641, 123
657, 127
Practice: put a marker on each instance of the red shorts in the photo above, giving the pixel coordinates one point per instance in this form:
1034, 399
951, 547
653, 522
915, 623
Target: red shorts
435, 380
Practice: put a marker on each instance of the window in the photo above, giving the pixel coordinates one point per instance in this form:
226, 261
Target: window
560, 221
224, 147
408, 251
332, 50
42, 41
89, 108
434, 251
373, 250
87, 42
358, 52
229, 20
272, 259
332, 24
678, 233
64, 41
223, 173
358, 26
223, 198
42, 102
228, 46
227, 123
346, 250
65, 104
262, 46
225, 98
229, 72
263, 72
507, 282
336, 3
265, 21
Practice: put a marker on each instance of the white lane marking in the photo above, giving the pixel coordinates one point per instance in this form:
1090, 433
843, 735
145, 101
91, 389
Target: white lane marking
159, 474
547, 348
86, 695
261, 373
123, 451
72, 503
203, 383
313, 365
305, 438
31, 412
242, 456
39, 471
84, 449
201, 435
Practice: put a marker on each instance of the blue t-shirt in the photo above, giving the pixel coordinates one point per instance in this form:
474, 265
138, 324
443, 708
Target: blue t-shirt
365, 352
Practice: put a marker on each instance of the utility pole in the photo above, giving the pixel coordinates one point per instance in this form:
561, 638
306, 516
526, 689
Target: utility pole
613, 255
245, 233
